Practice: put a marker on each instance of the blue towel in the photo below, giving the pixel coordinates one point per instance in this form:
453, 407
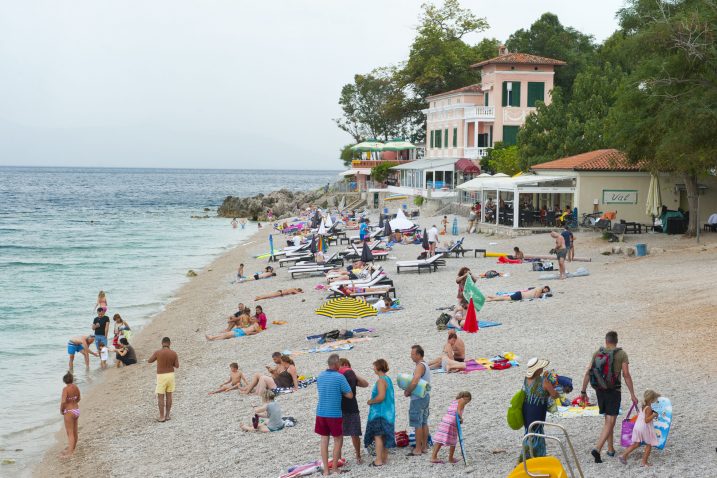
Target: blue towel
481, 324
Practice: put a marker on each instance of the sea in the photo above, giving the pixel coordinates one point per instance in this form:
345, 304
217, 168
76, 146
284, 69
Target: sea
66, 234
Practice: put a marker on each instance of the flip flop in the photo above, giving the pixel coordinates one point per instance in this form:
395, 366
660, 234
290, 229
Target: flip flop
622, 460
410, 453
438, 462
373, 463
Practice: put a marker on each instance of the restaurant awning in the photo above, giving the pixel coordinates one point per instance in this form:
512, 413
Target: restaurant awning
354, 172
467, 166
510, 183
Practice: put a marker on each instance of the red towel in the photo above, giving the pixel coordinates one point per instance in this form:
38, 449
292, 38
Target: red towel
505, 260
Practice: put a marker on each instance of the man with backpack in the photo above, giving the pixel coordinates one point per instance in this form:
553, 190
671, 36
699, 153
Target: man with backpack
604, 373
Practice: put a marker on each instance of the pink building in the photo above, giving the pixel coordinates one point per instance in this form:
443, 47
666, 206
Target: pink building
466, 122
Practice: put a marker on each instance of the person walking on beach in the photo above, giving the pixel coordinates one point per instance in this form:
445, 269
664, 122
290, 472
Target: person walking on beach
80, 344
349, 407
332, 386
380, 427
167, 361
70, 411
539, 387
561, 251
604, 373
101, 326
432, 240
419, 408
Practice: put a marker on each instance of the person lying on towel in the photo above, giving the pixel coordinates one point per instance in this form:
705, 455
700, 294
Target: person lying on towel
531, 293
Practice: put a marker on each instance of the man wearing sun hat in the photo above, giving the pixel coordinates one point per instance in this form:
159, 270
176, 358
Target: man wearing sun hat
538, 389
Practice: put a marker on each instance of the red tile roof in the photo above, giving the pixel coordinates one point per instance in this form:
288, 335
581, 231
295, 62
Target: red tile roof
598, 160
466, 89
520, 58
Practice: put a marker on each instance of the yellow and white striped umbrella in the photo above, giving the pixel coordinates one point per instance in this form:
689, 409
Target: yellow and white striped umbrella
346, 308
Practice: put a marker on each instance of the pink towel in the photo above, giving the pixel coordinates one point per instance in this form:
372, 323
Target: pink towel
473, 366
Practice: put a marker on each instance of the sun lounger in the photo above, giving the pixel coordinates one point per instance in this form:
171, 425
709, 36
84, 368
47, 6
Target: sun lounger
456, 248
317, 269
380, 290
376, 275
431, 264
294, 259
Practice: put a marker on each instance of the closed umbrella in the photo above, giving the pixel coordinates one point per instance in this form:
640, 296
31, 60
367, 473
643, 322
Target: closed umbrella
380, 221
271, 246
424, 240
387, 229
454, 228
654, 198
366, 255
346, 308
312, 246
322, 228
471, 323
328, 222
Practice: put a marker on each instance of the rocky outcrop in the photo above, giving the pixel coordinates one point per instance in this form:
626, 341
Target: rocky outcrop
283, 203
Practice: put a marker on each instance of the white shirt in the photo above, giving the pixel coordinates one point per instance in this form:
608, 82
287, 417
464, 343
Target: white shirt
104, 354
433, 234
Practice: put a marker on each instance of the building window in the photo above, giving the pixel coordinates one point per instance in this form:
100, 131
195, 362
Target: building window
510, 135
511, 93
438, 138
445, 135
536, 92
455, 137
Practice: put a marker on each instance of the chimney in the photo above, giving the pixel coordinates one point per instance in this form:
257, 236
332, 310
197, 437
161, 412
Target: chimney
502, 50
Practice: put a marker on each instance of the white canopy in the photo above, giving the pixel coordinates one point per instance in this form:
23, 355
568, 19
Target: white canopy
508, 183
354, 172
401, 222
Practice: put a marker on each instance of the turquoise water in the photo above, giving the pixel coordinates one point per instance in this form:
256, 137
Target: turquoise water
66, 233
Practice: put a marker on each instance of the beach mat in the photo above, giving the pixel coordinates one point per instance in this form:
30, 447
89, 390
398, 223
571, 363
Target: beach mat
483, 324
580, 272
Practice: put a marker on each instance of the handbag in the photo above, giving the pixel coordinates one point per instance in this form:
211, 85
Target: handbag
626, 430
515, 410
401, 439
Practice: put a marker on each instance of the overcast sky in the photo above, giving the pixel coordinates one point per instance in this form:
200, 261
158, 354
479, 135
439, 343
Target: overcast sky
209, 83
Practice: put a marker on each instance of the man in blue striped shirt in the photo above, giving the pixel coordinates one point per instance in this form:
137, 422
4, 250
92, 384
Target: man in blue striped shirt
329, 422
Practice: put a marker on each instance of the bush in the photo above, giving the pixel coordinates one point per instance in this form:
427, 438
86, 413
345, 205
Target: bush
418, 201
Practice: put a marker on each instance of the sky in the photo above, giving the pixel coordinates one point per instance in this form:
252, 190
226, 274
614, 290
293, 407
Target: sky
210, 83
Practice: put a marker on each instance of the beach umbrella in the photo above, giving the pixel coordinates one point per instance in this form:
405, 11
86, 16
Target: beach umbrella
387, 229
380, 221
471, 323
271, 245
368, 146
322, 228
342, 203
398, 144
346, 308
312, 246
328, 222
366, 255
654, 198
454, 228
424, 240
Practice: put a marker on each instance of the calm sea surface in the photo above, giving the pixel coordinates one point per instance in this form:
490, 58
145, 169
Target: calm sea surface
66, 233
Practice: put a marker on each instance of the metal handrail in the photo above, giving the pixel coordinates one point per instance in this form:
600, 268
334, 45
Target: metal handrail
570, 445
548, 437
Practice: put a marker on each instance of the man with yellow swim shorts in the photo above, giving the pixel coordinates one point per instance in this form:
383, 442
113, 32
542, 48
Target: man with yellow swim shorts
167, 360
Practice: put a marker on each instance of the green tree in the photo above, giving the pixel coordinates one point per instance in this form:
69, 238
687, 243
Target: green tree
666, 112
381, 172
347, 155
503, 159
374, 106
548, 37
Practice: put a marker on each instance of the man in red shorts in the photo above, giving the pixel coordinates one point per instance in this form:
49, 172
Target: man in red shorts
329, 422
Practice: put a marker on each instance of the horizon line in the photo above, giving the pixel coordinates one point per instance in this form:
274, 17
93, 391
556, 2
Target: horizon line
163, 167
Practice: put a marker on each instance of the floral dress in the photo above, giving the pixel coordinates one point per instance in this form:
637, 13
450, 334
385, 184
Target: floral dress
535, 408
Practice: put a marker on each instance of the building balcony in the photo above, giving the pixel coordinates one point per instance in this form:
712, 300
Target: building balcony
368, 164
475, 153
484, 113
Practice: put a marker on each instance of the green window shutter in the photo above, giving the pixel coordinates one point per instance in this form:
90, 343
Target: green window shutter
504, 100
510, 135
455, 137
516, 94
445, 135
438, 138
536, 92
485, 99
431, 139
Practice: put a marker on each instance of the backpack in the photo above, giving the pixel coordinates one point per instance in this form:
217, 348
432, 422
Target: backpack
603, 375
515, 411
442, 321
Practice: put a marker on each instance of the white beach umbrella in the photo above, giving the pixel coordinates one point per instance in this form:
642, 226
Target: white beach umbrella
328, 222
322, 229
401, 222
654, 198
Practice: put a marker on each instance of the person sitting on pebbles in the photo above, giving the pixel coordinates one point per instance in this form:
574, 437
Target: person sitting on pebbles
267, 418
253, 329
236, 378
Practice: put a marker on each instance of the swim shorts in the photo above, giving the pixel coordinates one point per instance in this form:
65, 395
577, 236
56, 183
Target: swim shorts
73, 348
561, 253
326, 426
516, 296
256, 276
609, 402
239, 333
165, 383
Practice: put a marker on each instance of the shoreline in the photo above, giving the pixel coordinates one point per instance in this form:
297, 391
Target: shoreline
144, 347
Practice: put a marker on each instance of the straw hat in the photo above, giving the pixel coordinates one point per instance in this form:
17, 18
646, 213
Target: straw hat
536, 364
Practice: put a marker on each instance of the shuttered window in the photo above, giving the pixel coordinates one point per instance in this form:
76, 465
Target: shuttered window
432, 139
438, 138
536, 92
511, 93
510, 135
445, 135
455, 137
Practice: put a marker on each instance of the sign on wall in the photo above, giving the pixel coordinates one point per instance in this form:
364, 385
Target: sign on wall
619, 196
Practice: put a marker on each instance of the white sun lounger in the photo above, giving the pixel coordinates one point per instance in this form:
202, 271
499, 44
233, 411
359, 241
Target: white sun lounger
431, 264
375, 275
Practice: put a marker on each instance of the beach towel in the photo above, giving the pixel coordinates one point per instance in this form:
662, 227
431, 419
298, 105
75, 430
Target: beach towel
302, 384
473, 366
359, 330
471, 291
403, 380
481, 324
505, 260
580, 272
577, 412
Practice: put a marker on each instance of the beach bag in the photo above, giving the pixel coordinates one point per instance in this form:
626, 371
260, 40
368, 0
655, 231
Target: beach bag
565, 384
442, 321
329, 336
515, 411
602, 371
402, 439
491, 274
626, 431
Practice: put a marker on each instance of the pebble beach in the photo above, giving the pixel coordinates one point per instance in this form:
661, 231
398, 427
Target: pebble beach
662, 306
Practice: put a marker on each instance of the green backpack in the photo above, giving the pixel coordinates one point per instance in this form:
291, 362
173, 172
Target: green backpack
515, 411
